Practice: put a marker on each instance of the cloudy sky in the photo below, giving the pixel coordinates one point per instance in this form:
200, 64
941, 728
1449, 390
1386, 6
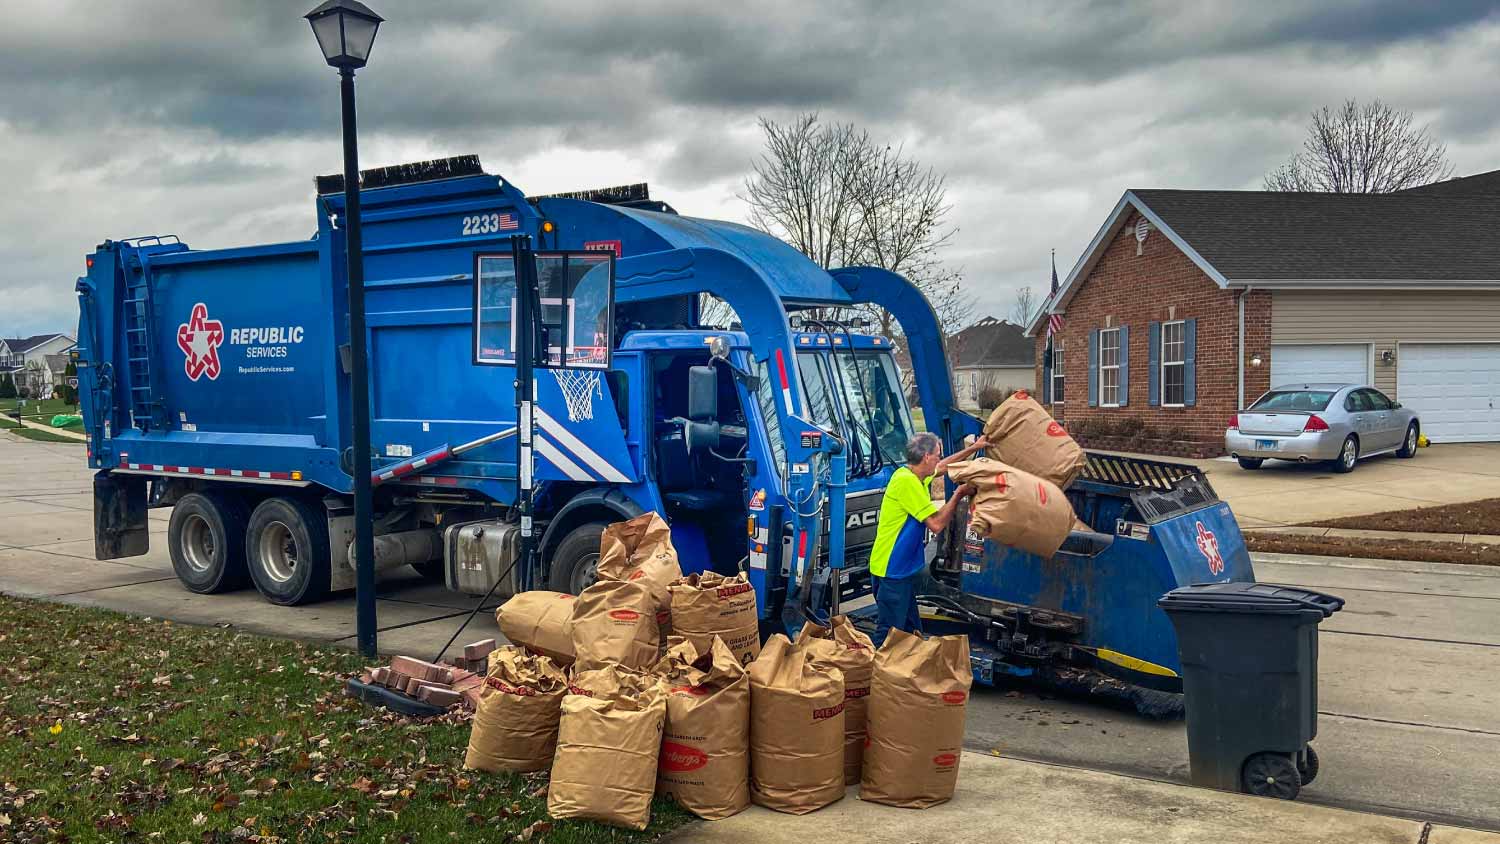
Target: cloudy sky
209, 119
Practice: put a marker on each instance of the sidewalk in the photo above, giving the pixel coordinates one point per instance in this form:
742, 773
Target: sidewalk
1005, 800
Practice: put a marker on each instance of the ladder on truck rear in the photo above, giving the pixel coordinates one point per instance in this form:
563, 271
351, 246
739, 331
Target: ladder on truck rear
147, 410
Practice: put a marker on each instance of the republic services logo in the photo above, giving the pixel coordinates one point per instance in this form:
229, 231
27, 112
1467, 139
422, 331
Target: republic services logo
199, 339
1209, 545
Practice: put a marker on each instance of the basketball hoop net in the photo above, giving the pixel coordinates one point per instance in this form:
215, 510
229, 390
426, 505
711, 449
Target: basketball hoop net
579, 386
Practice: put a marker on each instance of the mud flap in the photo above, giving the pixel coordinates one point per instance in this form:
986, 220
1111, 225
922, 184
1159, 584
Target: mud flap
120, 516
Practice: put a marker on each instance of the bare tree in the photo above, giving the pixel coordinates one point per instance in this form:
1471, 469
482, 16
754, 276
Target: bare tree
803, 186
1024, 307
843, 200
1370, 148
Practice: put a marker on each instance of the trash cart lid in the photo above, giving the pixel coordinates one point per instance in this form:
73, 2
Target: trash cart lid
1245, 597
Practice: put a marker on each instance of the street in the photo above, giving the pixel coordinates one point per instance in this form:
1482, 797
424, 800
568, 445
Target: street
1409, 723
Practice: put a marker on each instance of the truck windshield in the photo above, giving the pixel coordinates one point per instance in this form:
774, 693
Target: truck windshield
874, 406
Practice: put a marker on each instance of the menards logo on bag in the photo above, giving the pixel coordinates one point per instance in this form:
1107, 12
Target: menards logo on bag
955, 697
731, 591
507, 688
827, 712
624, 615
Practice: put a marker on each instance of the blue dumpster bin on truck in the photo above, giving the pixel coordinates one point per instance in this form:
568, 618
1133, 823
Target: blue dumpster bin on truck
1087, 619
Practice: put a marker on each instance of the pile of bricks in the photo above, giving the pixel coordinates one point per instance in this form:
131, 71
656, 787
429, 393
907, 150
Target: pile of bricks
439, 685
476, 657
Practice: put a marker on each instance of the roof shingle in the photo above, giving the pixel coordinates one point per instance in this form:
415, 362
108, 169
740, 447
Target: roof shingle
1249, 235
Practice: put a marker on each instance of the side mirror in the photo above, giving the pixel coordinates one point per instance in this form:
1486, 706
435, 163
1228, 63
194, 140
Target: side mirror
700, 436
703, 394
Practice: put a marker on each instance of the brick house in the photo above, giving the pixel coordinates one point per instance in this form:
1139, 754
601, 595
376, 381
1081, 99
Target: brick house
1188, 305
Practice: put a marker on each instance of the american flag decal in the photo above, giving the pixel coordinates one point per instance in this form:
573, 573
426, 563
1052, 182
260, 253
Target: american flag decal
508, 221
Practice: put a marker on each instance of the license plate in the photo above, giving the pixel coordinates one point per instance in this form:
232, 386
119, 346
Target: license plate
1265, 445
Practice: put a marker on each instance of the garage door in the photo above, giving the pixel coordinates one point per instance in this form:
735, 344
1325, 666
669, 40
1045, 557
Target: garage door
1331, 363
1453, 388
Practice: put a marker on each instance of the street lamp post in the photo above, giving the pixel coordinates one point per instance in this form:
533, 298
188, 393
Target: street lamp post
345, 30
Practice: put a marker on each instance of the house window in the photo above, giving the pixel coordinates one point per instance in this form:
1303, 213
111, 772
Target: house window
1109, 367
974, 385
1057, 371
1173, 363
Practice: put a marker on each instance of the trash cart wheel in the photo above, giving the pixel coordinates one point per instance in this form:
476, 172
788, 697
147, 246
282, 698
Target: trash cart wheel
1271, 775
1307, 767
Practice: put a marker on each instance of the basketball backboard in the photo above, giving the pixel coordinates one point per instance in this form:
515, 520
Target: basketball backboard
576, 294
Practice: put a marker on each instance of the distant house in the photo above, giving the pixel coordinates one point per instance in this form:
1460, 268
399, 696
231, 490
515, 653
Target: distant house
1189, 304
990, 354
36, 363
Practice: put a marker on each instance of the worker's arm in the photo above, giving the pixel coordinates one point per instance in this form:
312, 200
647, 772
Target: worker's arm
938, 522
963, 454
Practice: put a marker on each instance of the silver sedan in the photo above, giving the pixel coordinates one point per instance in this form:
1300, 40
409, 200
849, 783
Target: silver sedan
1339, 423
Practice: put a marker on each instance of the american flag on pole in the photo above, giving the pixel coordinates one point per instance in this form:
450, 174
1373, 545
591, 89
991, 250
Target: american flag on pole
1054, 321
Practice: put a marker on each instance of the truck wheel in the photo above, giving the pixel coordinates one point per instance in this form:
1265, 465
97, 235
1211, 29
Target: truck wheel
1271, 775
206, 540
575, 563
286, 546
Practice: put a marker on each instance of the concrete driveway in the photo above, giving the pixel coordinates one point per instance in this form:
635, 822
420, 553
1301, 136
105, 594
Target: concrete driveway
1290, 493
1407, 725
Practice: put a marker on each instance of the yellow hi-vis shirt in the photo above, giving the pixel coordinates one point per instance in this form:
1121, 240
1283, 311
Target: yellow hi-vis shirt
900, 535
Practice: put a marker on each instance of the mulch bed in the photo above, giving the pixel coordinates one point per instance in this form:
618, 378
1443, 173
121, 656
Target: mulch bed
1468, 517
1379, 549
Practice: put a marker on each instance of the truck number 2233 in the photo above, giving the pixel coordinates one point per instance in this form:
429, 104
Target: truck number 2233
481, 224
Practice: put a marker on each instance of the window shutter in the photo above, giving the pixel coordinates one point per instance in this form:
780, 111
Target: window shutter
1124, 365
1046, 375
1190, 362
1153, 377
1094, 368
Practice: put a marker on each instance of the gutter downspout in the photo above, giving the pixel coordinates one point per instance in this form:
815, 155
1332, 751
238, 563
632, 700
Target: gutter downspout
1243, 293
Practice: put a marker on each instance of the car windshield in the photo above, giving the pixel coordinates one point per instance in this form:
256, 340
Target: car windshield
1294, 400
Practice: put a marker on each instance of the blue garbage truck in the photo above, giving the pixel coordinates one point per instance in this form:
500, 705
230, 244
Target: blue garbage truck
216, 382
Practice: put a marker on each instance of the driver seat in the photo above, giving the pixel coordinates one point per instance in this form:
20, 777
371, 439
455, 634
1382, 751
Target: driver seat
678, 478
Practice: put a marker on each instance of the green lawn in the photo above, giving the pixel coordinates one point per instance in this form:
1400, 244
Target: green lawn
39, 436
116, 728
46, 409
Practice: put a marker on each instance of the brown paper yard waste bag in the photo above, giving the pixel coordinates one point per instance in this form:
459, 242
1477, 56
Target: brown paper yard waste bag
796, 730
917, 701
515, 724
705, 751
539, 621
614, 621
708, 605
640, 551
607, 749
844, 646
1015, 507
1023, 434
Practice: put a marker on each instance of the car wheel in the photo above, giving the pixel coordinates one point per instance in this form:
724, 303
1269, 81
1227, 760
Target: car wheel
1348, 456
206, 540
1251, 462
1409, 445
286, 547
575, 563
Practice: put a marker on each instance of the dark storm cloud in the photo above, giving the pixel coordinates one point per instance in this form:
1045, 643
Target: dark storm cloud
119, 117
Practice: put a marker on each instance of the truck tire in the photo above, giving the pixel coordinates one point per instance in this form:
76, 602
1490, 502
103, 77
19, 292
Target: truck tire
206, 540
575, 563
286, 550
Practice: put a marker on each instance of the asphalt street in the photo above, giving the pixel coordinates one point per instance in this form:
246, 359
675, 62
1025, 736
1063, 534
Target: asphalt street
1409, 710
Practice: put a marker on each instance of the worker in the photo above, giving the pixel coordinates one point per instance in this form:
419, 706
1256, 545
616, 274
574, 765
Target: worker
907, 513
